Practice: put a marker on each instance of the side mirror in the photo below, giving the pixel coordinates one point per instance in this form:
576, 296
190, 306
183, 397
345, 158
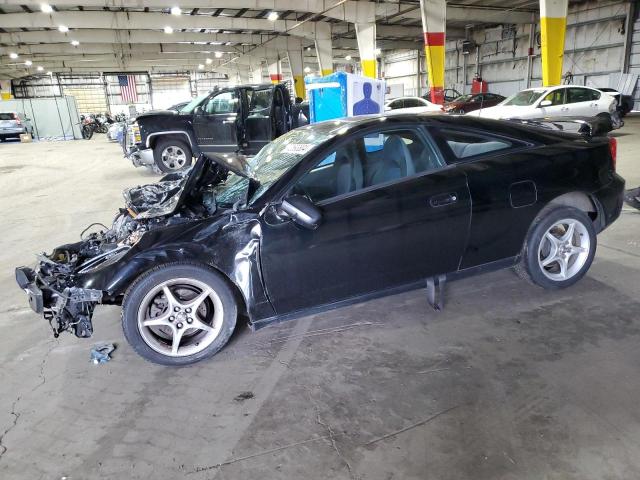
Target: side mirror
301, 210
198, 110
545, 103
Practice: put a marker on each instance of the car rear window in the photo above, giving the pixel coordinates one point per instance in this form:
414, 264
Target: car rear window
7, 116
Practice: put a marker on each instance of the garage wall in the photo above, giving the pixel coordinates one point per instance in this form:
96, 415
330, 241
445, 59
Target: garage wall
594, 49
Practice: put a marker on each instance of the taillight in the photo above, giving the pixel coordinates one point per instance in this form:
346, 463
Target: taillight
17, 119
613, 150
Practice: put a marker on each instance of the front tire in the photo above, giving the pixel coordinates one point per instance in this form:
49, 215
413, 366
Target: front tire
172, 155
559, 248
178, 314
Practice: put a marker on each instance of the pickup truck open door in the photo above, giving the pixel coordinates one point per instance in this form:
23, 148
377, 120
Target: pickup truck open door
215, 121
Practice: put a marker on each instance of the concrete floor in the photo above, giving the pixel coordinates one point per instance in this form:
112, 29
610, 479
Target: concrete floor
509, 382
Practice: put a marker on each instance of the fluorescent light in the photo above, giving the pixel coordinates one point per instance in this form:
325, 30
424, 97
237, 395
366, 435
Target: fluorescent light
218, 54
307, 69
75, 43
49, 73
13, 55
63, 28
168, 29
46, 8
348, 58
273, 16
176, 11
201, 67
40, 68
28, 63
377, 51
209, 61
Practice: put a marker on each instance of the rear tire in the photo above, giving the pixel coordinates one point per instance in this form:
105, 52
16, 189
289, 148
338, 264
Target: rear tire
191, 322
172, 155
559, 248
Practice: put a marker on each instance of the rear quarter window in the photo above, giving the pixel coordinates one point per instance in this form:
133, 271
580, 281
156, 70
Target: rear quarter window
7, 116
459, 145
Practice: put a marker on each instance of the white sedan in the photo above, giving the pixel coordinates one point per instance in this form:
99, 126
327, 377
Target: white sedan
559, 101
411, 105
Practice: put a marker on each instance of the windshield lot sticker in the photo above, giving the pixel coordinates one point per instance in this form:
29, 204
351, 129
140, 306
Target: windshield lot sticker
298, 148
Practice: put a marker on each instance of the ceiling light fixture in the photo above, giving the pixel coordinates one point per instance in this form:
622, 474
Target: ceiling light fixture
201, 67
13, 55
348, 58
377, 51
209, 61
75, 43
40, 68
63, 28
176, 11
218, 54
307, 69
46, 8
49, 73
273, 16
168, 29
28, 63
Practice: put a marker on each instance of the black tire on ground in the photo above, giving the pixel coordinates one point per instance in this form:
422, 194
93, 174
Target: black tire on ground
530, 267
179, 146
165, 273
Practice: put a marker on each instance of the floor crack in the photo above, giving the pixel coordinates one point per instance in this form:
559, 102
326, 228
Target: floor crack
16, 414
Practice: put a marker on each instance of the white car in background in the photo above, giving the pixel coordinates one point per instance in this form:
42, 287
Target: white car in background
559, 101
411, 105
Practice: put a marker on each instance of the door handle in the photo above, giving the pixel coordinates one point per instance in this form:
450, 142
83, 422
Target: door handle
443, 199
228, 121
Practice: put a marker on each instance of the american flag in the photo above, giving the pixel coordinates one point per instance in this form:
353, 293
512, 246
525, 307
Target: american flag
128, 88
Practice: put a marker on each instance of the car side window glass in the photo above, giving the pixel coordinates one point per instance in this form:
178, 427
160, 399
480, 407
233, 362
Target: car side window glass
396, 104
556, 97
595, 95
465, 144
412, 102
370, 160
260, 102
225, 102
575, 95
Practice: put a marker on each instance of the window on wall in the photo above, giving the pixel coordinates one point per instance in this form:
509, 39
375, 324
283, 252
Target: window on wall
370, 160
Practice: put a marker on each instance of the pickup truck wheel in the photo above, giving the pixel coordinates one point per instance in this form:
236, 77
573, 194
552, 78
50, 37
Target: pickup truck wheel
172, 155
178, 314
559, 248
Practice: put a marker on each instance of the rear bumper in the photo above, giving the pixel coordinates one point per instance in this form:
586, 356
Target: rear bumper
12, 132
610, 200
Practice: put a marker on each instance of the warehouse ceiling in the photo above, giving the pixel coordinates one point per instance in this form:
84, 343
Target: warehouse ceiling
219, 35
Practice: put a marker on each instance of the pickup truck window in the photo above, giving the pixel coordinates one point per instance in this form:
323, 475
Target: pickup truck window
190, 107
259, 102
224, 102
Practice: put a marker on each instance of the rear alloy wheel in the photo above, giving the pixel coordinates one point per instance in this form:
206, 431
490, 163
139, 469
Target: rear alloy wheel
559, 249
179, 314
172, 155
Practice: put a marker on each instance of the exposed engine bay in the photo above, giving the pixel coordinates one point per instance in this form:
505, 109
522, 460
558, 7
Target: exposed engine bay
56, 286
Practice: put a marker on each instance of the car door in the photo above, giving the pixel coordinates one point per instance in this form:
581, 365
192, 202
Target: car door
215, 122
258, 123
581, 102
556, 108
503, 194
392, 214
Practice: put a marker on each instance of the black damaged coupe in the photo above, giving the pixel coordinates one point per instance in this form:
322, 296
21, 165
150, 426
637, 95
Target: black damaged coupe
327, 215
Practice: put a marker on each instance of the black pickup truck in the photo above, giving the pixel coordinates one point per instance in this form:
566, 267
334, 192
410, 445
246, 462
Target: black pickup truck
239, 119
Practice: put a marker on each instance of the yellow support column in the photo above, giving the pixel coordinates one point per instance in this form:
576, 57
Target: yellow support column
366, 36
434, 26
553, 25
297, 73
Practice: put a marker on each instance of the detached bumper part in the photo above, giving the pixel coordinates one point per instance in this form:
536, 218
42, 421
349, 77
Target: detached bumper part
142, 157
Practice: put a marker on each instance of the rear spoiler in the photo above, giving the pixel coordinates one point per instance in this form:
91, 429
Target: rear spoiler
585, 126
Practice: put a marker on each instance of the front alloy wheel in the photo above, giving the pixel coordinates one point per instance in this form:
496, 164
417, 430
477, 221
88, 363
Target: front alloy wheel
179, 313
